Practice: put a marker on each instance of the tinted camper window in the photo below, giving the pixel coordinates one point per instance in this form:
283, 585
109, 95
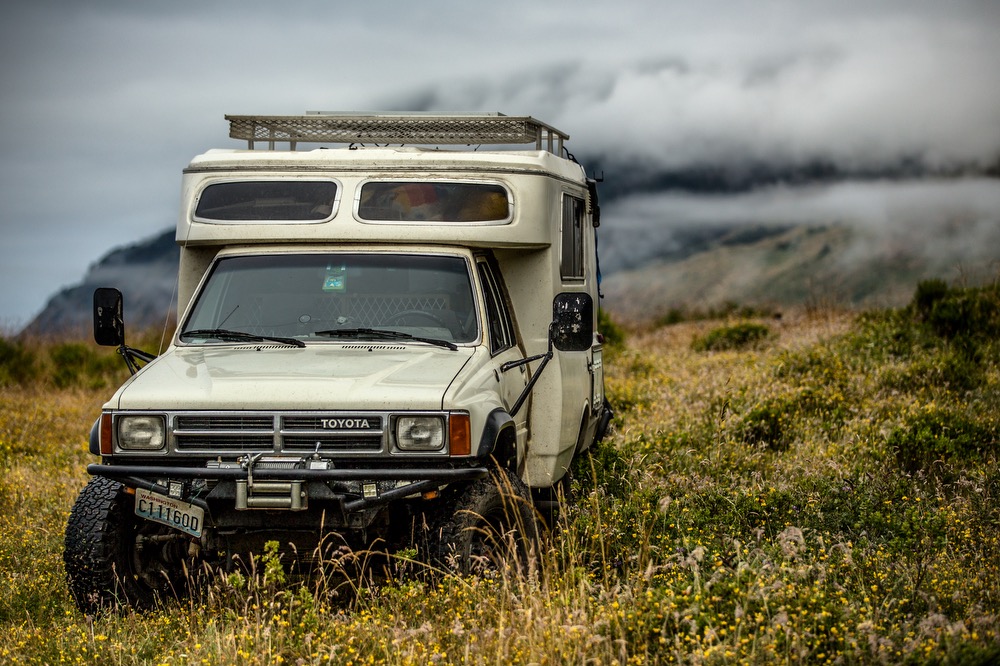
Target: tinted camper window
571, 263
267, 201
413, 201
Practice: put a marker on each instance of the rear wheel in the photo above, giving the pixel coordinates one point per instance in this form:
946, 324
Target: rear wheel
113, 558
489, 525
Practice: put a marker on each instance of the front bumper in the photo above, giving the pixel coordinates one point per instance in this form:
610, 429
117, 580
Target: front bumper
254, 488
440, 475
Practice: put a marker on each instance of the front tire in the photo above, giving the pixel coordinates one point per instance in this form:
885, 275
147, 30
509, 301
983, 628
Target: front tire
107, 567
489, 525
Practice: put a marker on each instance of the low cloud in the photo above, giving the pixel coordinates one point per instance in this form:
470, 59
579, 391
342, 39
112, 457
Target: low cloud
931, 219
864, 93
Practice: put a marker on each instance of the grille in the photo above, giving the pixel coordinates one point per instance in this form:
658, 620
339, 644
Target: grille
234, 442
327, 443
276, 432
224, 423
346, 422
347, 432
226, 432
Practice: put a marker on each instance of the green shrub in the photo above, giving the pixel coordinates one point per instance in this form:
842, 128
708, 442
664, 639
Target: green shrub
950, 370
768, 424
945, 339
18, 364
939, 434
727, 310
884, 335
78, 364
958, 313
928, 293
823, 365
671, 317
604, 466
741, 336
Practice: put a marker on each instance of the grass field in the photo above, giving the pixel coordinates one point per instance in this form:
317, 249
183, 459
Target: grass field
822, 488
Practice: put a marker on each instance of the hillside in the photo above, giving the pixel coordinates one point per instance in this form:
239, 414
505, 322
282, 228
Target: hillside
146, 273
647, 272
786, 266
820, 489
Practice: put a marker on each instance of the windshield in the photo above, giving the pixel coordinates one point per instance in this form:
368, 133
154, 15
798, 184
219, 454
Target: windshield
311, 296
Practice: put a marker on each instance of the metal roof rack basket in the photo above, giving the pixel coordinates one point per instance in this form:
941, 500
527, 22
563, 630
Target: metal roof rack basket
409, 128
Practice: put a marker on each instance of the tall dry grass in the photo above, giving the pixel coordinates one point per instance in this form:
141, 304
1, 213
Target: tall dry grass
827, 494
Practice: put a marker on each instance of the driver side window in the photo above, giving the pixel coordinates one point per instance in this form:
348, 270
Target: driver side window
499, 325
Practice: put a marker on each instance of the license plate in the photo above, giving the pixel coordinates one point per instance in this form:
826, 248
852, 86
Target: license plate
185, 517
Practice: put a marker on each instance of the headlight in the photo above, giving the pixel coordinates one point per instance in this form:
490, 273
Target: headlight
140, 433
420, 433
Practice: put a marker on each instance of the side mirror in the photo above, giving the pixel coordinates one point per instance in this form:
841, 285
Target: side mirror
109, 322
572, 322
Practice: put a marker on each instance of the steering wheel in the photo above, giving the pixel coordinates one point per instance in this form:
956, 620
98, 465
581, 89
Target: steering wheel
418, 313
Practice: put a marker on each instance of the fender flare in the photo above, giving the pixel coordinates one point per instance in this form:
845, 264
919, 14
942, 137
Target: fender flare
95, 437
499, 439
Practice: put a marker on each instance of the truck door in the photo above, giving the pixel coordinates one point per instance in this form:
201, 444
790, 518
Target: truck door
503, 340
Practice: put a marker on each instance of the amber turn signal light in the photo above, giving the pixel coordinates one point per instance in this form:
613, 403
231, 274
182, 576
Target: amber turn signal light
459, 435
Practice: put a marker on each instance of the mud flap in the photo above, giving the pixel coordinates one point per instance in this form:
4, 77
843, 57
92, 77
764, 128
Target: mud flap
602, 425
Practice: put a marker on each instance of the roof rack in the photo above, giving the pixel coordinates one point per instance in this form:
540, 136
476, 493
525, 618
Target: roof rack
401, 128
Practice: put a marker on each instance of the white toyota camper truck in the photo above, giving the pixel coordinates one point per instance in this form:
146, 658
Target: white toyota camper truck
387, 337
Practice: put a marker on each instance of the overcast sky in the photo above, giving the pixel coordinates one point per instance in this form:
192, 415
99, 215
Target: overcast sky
103, 103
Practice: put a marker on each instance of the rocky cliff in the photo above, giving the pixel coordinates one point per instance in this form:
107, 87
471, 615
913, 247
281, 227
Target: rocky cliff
145, 272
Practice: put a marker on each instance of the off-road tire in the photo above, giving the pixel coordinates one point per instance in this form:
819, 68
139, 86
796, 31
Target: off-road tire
100, 552
489, 525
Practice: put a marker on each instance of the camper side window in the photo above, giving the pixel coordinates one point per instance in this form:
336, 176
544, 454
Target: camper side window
571, 263
499, 325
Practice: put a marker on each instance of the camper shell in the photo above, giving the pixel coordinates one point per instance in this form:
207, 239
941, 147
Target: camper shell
370, 337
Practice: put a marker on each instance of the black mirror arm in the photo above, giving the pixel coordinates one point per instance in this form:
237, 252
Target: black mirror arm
546, 357
510, 365
133, 357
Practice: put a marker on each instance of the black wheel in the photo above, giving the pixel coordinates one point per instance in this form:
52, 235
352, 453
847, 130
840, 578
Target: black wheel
489, 525
115, 560
391, 319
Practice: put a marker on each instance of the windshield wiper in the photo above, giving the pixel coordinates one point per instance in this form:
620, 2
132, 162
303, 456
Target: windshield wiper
239, 336
378, 333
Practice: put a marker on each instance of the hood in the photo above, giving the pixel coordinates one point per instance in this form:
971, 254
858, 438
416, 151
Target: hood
351, 376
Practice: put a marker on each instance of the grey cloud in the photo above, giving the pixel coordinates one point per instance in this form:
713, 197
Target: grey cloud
104, 102
861, 95
926, 218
